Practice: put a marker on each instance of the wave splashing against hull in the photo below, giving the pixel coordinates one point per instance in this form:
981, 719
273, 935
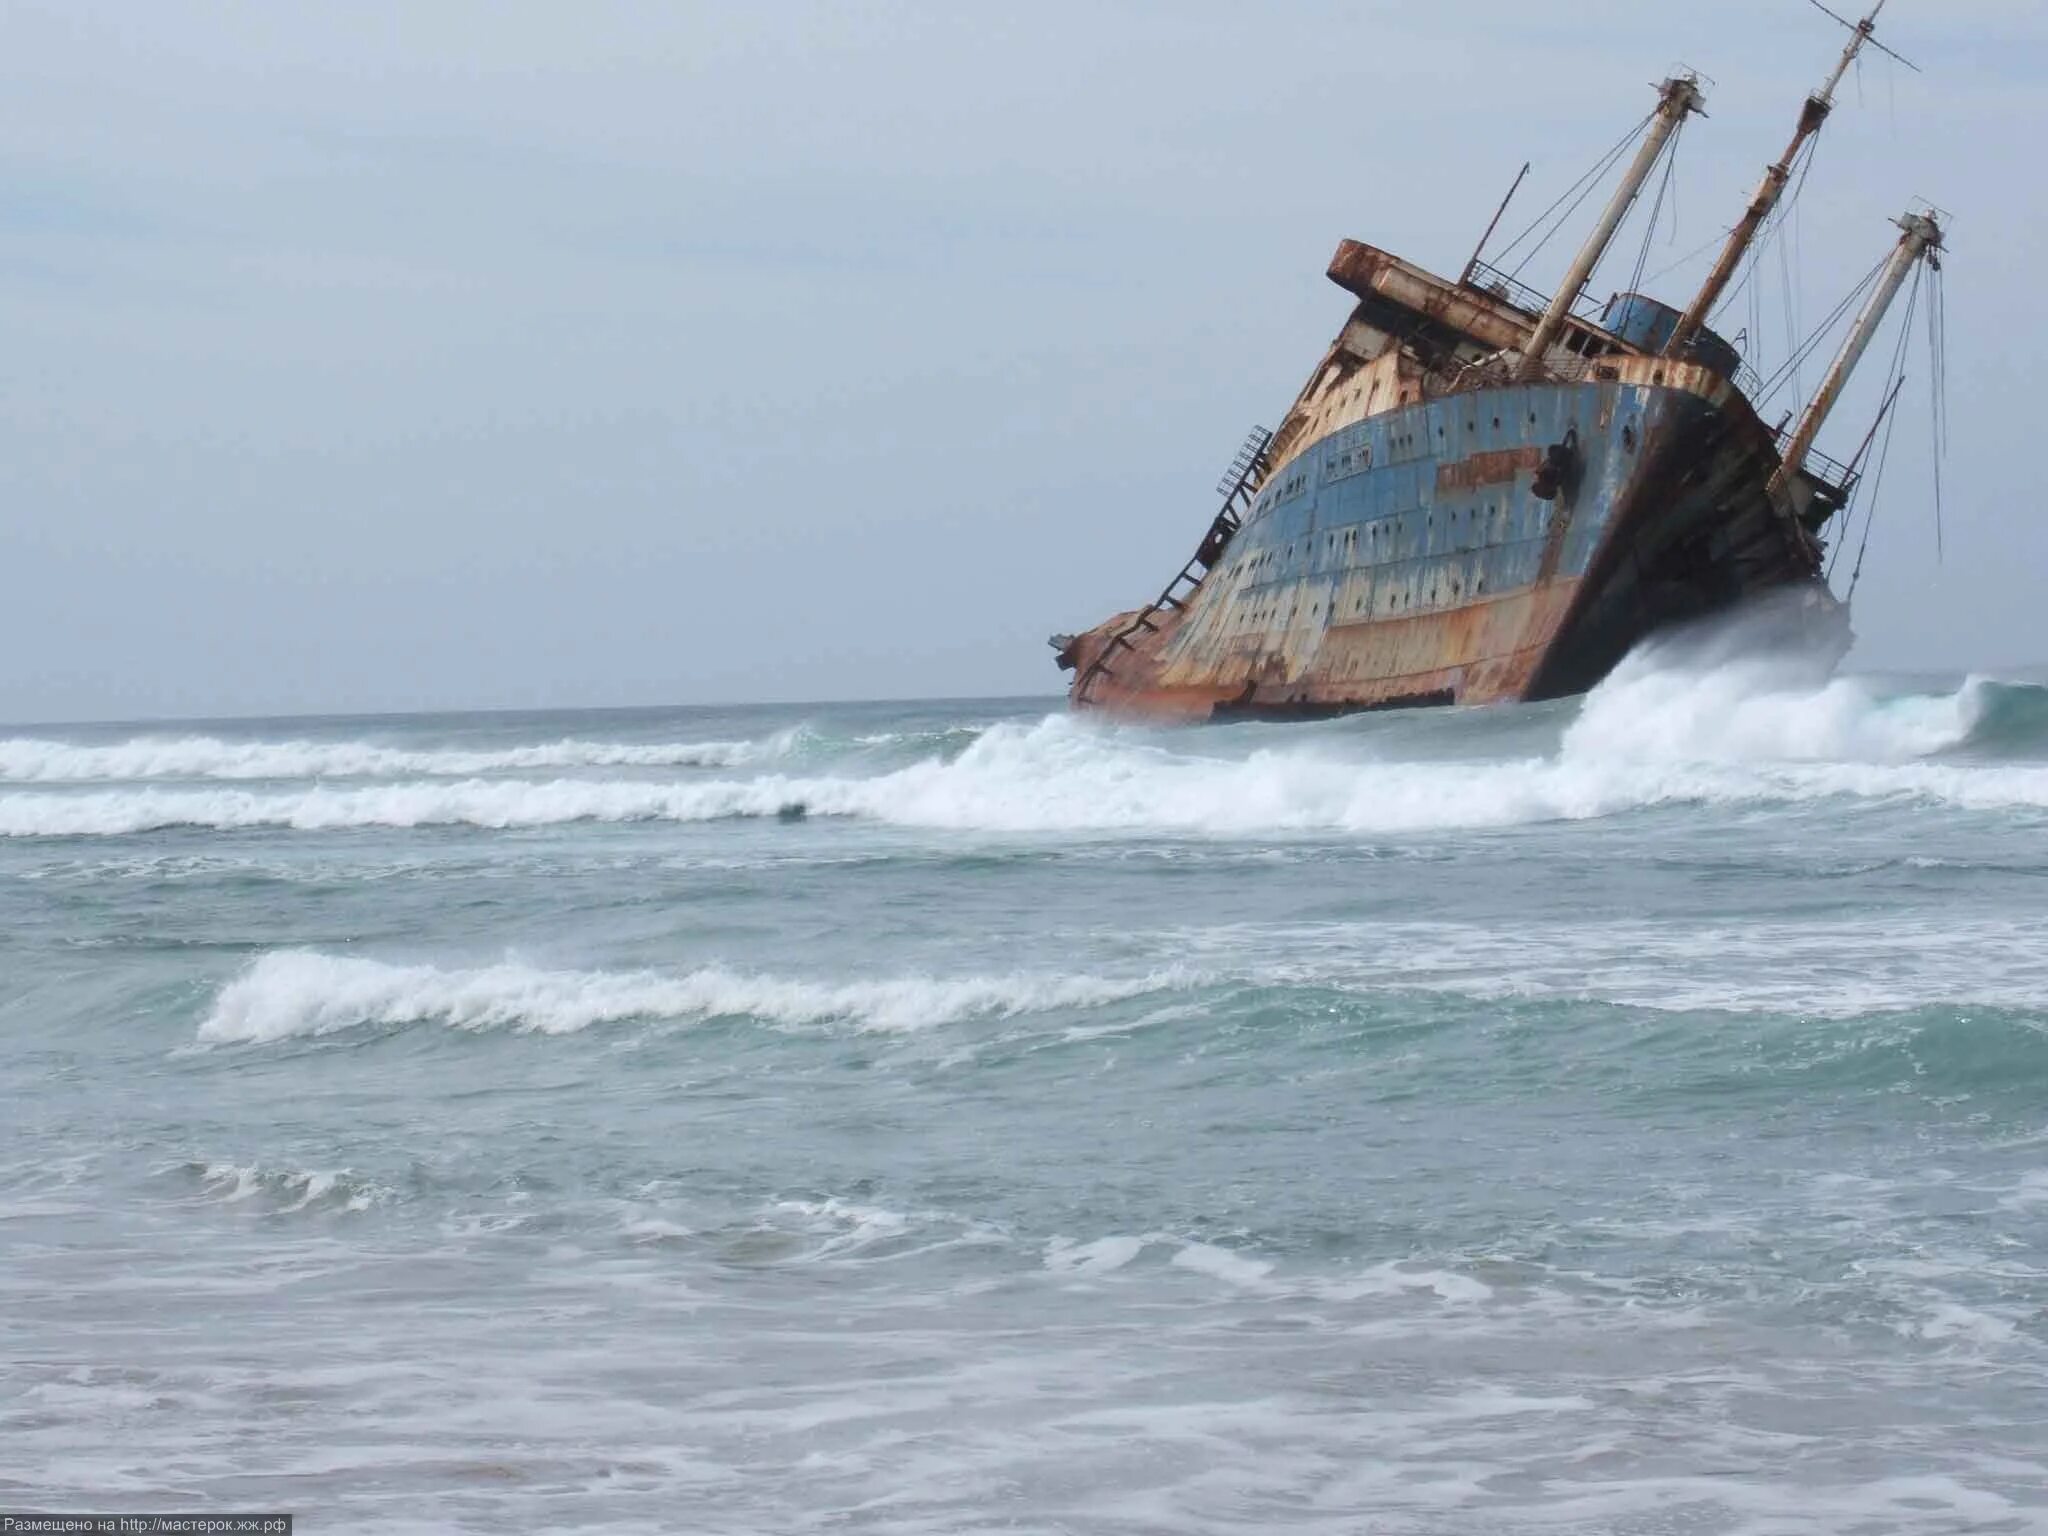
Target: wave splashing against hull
1679, 723
1185, 1140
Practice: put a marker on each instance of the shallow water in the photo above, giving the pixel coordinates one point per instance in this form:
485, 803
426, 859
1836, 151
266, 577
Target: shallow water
1622, 1115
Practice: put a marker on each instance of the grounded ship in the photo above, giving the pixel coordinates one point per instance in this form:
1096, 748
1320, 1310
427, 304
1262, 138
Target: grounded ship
1482, 495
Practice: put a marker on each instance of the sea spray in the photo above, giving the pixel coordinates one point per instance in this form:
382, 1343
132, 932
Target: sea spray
1065, 1120
1643, 741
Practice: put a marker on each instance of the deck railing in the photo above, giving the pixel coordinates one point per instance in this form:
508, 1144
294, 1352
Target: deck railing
1510, 289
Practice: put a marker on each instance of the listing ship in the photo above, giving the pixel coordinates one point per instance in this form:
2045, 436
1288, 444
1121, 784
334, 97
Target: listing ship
1483, 495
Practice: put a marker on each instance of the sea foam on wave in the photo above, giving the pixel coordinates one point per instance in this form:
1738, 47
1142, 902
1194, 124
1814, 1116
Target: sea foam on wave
29, 759
1679, 722
288, 993
1762, 708
1064, 776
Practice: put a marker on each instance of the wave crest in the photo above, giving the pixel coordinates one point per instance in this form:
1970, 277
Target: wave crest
1060, 776
288, 993
29, 759
1759, 711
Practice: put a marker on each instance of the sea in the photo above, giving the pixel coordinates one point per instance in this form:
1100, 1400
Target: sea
1622, 1114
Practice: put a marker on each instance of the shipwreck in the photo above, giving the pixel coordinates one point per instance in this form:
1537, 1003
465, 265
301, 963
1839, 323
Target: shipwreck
1484, 493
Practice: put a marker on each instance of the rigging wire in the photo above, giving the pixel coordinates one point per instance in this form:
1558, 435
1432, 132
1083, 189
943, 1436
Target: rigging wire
1884, 454
1795, 282
1785, 371
1855, 465
1937, 362
1791, 315
1747, 286
1692, 255
1582, 187
1664, 186
1897, 371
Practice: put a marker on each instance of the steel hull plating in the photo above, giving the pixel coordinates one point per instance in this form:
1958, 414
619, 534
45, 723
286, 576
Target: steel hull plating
1508, 541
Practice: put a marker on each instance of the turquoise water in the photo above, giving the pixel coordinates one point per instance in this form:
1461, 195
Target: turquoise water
1628, 1114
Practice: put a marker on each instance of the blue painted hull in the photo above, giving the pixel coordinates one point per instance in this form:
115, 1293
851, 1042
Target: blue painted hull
1503, 542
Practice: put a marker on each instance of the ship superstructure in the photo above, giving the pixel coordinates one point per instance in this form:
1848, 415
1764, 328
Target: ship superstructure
1483, 494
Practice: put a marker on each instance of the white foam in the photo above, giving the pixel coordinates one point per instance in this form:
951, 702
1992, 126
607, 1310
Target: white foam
1063, 775
654, 1229
1760, 709
289, 993
2032, 1189
1836, 968
296, 1189
27, 759
1222, 1264
1391, 1279
849, 1230
833, 1213
231, 1182
1951, 1321
1101, 1257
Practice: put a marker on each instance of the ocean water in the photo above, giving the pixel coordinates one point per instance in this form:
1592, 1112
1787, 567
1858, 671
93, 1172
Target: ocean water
1621, 1115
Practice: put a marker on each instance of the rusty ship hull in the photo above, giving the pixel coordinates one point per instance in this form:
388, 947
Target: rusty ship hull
1442, 529
1485, 494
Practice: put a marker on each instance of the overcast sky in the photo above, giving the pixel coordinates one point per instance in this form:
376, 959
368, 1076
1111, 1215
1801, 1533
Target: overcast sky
432, 355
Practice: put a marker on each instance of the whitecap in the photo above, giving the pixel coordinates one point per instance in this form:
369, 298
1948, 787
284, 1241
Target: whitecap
28, 759
1101, 1257
287, 993
1063, 775
1223, 1264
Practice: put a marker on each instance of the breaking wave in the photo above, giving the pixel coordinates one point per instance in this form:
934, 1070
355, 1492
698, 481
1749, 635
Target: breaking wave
1664, 729
287, 1190
1761, 711
1061, 777
1836, 970
28, 759
289, 993
2008, 719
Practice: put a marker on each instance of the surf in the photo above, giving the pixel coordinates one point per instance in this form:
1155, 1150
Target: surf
287, 994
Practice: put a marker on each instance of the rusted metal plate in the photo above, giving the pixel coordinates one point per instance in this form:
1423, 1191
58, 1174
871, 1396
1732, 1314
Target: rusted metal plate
1459, 534
1489, 468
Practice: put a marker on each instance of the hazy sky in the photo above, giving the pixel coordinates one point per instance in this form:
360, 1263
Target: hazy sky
388, 356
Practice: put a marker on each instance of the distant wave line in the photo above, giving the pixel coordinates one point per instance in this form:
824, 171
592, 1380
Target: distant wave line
38, 760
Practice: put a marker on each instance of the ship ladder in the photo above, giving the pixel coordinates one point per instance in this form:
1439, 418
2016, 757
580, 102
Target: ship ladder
1239, 484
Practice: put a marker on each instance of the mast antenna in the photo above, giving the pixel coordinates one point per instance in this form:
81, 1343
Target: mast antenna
1772, 187
1867, 26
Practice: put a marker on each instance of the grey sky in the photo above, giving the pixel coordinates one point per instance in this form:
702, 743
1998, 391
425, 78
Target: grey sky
425, 355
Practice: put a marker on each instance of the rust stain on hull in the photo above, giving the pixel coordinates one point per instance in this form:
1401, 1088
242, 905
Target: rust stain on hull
1430, 524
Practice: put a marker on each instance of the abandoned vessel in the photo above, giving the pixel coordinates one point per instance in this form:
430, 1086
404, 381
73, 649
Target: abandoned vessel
1485, 495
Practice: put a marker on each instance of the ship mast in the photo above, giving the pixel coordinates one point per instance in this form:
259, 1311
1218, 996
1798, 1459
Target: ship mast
1680, 97
1770, 189
1921, 239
